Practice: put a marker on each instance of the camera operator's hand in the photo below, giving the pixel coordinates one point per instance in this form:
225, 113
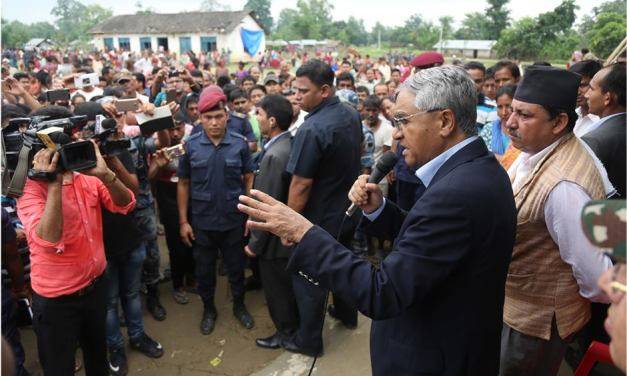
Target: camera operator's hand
162, 75
186, 76
46, 160
101, 170
174, 107
367, 196
161, 158
147, 108
187, 234
12, 86
110, 109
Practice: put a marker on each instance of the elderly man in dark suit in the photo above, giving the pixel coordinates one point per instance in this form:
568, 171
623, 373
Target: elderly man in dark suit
606, 99
437, 300
275, 116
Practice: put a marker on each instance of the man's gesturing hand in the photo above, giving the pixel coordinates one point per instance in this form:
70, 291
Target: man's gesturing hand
270, 215
367, 196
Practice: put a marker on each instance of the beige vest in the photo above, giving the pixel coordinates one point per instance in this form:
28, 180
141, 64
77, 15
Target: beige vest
540, 285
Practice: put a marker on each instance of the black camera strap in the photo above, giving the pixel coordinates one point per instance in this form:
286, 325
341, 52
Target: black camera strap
16, 187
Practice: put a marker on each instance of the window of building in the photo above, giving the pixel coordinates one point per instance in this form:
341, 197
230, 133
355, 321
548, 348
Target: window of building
185, 44
208, 44
124, 43
108, 44
145, 43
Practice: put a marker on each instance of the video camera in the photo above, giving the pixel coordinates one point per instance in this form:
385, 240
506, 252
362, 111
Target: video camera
106, 135
22, 138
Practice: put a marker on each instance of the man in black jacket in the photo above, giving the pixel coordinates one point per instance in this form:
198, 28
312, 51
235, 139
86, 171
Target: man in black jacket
606, 99
437, 300
275, 116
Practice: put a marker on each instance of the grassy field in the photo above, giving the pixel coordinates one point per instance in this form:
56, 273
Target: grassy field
374, 52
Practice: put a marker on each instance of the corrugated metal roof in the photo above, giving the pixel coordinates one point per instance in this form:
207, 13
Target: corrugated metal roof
174, 23
460, 44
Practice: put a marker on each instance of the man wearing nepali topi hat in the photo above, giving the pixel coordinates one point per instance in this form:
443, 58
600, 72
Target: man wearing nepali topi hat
215, 169
554, 270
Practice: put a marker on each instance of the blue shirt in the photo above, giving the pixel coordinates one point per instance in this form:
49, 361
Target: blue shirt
215, 174
427, 171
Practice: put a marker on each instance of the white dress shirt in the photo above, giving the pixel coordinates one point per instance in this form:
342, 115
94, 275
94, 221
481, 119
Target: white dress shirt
562, 215
585, 124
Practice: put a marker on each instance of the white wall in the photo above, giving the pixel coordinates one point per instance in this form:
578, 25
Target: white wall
232, 41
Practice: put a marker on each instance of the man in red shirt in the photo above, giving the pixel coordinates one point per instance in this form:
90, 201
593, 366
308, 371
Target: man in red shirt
63, 223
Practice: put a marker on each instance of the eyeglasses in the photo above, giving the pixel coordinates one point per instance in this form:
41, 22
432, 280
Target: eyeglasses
401, 121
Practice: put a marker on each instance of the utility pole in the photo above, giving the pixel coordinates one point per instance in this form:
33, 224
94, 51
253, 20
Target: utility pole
379, 39
440, 42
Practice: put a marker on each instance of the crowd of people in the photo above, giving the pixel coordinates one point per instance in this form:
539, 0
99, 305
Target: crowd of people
483, 265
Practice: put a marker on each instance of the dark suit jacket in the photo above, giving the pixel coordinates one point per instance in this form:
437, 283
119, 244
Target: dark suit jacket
608, 143
437, 299
275, 181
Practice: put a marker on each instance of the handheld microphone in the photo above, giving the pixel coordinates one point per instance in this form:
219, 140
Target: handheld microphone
385, 164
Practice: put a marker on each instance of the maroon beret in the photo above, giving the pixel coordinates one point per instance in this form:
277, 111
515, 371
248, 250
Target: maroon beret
427, 59
211, 98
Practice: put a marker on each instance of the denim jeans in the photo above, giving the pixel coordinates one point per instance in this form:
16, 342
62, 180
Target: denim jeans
124, 283
147, 223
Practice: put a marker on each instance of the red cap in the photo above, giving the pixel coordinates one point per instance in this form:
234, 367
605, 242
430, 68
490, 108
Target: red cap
212, 97
427, 59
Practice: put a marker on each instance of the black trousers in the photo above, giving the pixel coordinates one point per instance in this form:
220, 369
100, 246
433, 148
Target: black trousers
206, 246
311, 301
277, 287
181, 256
60, 323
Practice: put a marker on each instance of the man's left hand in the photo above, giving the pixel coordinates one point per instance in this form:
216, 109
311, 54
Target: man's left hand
267, 214
101, 170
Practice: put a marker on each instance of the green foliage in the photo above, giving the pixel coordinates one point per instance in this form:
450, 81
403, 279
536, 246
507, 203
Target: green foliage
446, 25
311, 20
74, 19
498, 18
262, 10
474, 26
606, 33
16, 33
519, 41
546, 37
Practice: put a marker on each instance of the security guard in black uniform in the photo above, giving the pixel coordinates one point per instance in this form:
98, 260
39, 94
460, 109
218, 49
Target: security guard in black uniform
215, 170
238, 121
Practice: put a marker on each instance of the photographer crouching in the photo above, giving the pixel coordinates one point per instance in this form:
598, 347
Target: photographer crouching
63, 222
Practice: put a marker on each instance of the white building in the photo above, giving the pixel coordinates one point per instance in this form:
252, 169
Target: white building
467, 48
182, 32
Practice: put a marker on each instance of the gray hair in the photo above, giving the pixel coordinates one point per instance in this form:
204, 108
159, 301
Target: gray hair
446, 87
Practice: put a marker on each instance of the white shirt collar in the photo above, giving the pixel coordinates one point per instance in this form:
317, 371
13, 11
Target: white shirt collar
427, 171
525, 163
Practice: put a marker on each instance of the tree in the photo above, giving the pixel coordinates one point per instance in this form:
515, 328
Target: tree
604, 29
311, 20
548, 36
74, 19
213, 6
262, 10
474, 26
498, 18
606, 33
14, 34
142, 10
446, 25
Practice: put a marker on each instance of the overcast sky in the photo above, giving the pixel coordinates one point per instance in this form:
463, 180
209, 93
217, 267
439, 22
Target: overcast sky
388, 12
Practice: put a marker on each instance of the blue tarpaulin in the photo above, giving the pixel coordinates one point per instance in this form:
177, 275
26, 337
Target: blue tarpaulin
251, 40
